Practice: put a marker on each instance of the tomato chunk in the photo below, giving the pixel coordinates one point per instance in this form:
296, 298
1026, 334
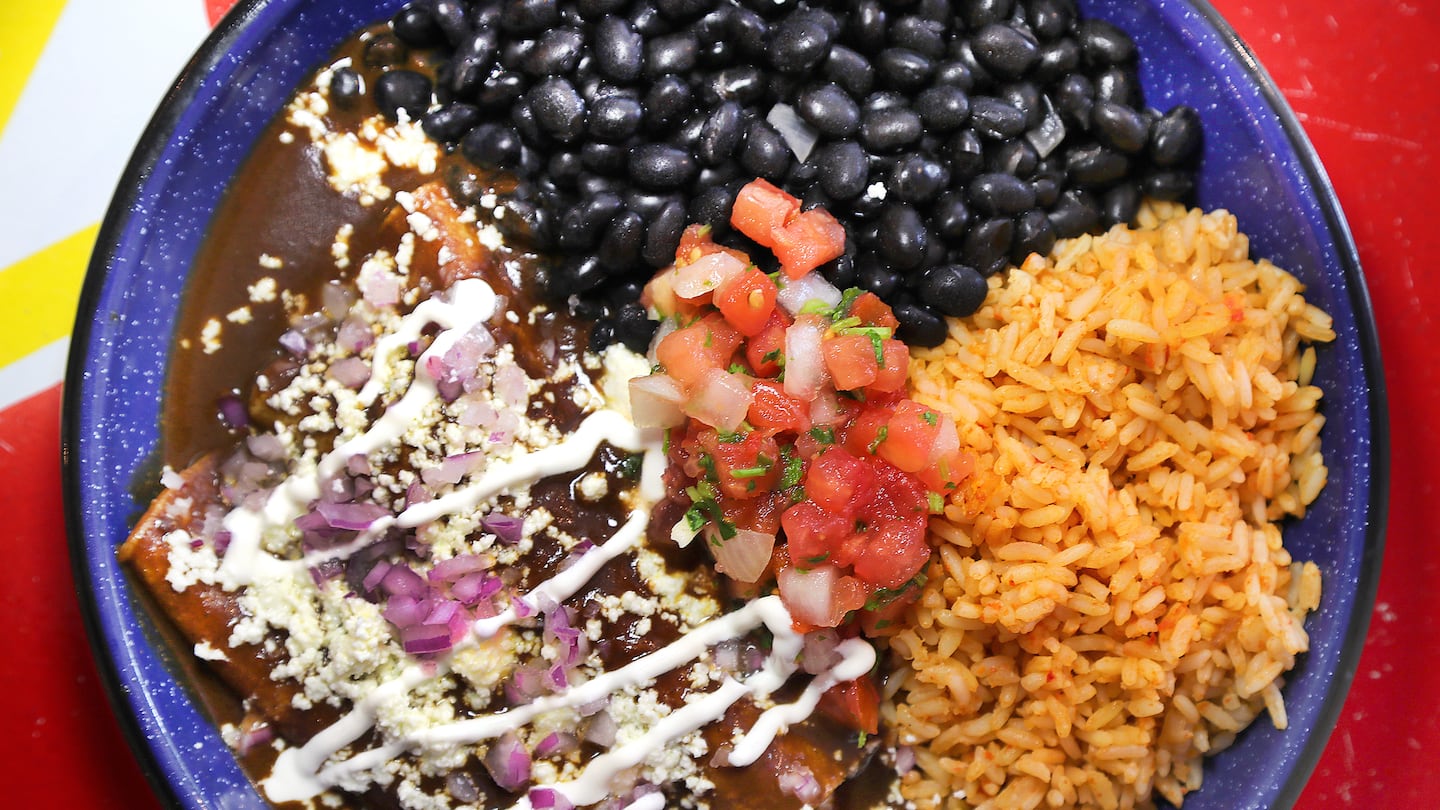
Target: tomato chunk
894, 551
761, 210
854, 704
910, 436
873, 312
773, 409
689, 352
839, 481
809, 240
763, 350
747, 300
851, 360
892, 374
813, 533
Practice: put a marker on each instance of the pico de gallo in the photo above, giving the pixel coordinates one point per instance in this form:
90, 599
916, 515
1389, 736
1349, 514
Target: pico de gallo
785, 405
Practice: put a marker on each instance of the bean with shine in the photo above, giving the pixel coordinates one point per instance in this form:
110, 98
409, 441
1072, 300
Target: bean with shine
1093, 165
529, 17
987, 245
765, 152
993, 118
614, 118
722, 134
903, 69
829, 110
1175, 138
618, 48
671, 53
800, 41
558, 108
920, 325
1103, 44
666, 103
844, 167
943, 107
904, 238
923, 36
1119, 127
890, 129
449, 123
917, 179
661, 166
954, 290
557, 52
406, 90
1033, 234
492, 145
999, 194
1004, 51
850, 70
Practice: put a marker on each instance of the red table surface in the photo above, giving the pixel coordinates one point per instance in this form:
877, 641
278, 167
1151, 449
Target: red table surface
1364, 78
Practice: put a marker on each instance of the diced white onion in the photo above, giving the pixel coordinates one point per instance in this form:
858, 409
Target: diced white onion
705, 274
810, 287
810, 595
805, 371
655, 401
720, 400
743, 557
946, 440
825, 408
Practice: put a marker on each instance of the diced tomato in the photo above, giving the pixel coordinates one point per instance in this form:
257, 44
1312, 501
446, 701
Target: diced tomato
873, 621
873, 312
851, 360
813, 533
863, 435
892, 375
854, 704
773, 409
761, 210
807, 241
761, 514
747, 468
747, 300
910, 436
763, 351
840, 481
948, 471
894, 551
688, 352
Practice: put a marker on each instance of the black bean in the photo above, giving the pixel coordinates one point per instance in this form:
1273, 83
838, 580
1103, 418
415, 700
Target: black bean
1167, 184
715, 26
744, 84
955, 73
917, 179
666, 104
634, 328
987, 245
918, 34
966, 154
613, 118
800, 42
472, 60
602, 334
452, 19
557, 52
1091, 165
979, 13
684, 10
595, 9
672, 53
1119, 127
687, 135
955, 290
661, 166
722, 134
464, 185
564, 168
491, 146
1056, 59
618, 48
416, 27
608, 159
885, 100
1004, 51
1049, 19
827, 108
841, 271
385, 50
936, 11
874, 276
904, 238
850, 70
346, 87
950, 216
1000, 194
580, 277
1047, 188
765, 153
663, 235
890, 129
1033, 234
711, 207
903, 69
1118, 84
515, 53
646, 19
593, 184
581, 227
620, 246
1074, 97
451, 122
1016, 156
993, 118
558, 108
869, 25
750, 31
1103, 44
1076, 212
522, 118
920, 325
525, 223
718, 175
1025, 97
529, 17
398, 90
943, 107
1175, 138
1120, 204
843, 169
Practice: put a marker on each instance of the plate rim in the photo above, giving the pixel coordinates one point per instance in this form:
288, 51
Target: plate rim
212, 52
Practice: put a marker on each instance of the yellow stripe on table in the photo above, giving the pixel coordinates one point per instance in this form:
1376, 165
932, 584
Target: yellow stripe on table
25, 25
38, 295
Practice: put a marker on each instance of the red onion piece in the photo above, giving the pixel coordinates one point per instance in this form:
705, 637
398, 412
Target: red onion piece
507, 528
380, 288
904, 759
232, 410
556, 743
295, 343
821, 651
377, 574
254, 732
800, 782
425, 639
350, 516
512, 386
354, 335
743, 557
601, 730
265, 446
508, 762
405, 611
401, 581
456, 567
549, 799
351, 372
461, 787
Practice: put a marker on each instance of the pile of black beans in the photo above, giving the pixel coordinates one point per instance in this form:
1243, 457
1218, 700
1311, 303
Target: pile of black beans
951, 137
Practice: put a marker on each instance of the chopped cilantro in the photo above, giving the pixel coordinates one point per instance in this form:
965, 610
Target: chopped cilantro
665, 448
709, 338
937, 503
884, 596
860, 741
730, 436
818, 558
878, 344
736, 368
823, 434
815, 307
695, 518
707, 463
847, 300
844, 324
880, 436
773, 356
794, 468
930, 418
630, 466
749, 472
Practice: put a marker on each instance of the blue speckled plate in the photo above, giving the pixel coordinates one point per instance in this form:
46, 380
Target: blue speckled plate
1257, 163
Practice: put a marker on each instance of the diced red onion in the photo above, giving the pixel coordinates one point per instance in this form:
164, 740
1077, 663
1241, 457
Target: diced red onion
354, 335
503, 434
232, 410
417, 493
821, 651
405, 611
601, 730
904, 759
523, 609
426, 639
377, 574
705, 274
351, 372
350, 516
556, 743
720, 399
336, 299
453, 468
805, 371
295, 343
549, 799
442, 612
358, 464
254, 731
512, 386
456, 567
461, 787
558, 678
526, 682
507, 528
478, 413
265, 446
508, 762
340, 489
655, 401
222, 542
727, 656
401, 581
800, 782
810, 287
810, 595
326, 571
743, 557
380, 288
